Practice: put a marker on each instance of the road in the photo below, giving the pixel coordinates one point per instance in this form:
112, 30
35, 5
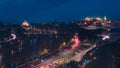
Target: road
65, 57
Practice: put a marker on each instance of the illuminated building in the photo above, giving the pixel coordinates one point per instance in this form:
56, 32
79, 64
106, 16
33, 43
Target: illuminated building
88, 19
105, 18
25, 24
98, 19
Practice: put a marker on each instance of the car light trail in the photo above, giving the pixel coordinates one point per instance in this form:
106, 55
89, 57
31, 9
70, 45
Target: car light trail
77, 42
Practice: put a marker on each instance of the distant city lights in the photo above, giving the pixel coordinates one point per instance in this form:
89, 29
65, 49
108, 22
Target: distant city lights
97, 18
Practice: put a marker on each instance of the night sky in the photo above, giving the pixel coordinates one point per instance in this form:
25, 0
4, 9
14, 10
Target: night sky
16, 11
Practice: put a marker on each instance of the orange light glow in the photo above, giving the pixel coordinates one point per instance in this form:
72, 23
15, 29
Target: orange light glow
98, 18
88, 19
25, 24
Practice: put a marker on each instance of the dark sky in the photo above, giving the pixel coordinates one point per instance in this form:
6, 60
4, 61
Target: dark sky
16, 11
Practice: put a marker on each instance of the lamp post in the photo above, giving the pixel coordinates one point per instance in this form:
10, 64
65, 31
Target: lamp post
0, 59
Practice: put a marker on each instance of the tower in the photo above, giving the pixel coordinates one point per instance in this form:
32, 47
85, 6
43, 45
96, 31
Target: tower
105, 18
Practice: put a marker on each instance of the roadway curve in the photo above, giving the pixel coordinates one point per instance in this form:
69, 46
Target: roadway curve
65, 57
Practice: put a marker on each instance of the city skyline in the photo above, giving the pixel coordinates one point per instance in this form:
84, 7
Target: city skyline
77, 44
61, 10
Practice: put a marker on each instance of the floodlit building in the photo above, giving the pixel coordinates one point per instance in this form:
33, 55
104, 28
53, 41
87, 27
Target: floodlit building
88, 19
105, 18
26, 25
98, 19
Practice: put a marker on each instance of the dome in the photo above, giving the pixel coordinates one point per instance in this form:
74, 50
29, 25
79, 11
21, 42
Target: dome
88, 19
25, 24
